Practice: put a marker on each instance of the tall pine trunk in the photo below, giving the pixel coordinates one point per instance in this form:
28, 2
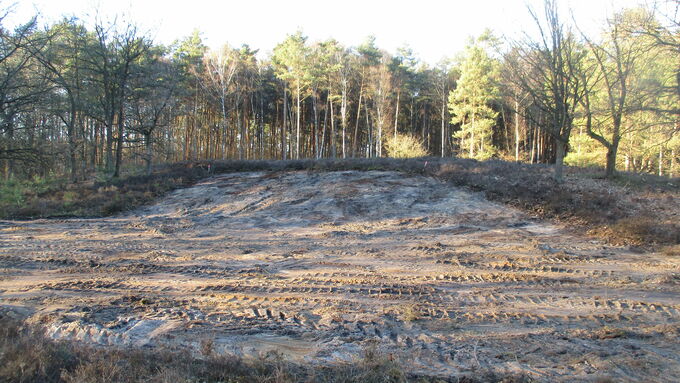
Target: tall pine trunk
283, 126
343, 116
443, 117
297, 124
317, 150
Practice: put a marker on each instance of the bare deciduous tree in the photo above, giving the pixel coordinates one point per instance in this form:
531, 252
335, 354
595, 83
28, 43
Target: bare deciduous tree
550, 70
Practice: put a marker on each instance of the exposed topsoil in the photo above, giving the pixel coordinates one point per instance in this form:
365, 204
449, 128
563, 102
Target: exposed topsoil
321, 265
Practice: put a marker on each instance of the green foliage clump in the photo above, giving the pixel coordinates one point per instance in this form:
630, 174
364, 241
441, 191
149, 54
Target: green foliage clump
11, 193
404, 146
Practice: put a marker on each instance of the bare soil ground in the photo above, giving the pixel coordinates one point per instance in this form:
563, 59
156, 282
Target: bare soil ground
321, 265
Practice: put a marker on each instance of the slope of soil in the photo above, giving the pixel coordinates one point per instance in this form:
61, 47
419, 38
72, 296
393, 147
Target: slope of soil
320, 265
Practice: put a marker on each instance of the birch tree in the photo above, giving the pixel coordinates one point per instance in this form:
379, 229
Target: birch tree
220, 70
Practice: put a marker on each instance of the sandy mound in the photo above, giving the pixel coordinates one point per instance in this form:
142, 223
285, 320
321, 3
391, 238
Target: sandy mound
321, 265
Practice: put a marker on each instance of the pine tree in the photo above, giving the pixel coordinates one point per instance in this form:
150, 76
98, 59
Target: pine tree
470, 103
291, 62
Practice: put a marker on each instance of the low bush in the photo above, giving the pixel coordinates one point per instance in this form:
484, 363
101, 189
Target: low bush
404, 146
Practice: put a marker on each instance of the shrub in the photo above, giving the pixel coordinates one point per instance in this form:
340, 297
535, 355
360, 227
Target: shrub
113, 206
11, 193
404, 146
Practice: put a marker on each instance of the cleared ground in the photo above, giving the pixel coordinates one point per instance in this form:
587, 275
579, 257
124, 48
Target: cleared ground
322, 265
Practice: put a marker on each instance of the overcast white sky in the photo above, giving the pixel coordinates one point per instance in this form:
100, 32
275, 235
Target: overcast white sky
433, 29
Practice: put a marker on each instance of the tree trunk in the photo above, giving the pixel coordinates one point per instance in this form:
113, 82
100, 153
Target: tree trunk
369, 130
297, 124
516, 131
425, 130
443, 117
323, 133
317, 151
505, 127
283, 126
378, 139
241, 137
109, 144
84, 134
356, 125
533, 146
148, 157
9, 162
332, 118
261, 125
343, 116
413, 124
119, 142
72, 143
472, 137
559, 159
610, 169
539, 136
95, 143
396, 116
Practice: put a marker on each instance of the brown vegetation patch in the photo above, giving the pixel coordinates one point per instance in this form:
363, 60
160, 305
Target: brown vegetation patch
27, 356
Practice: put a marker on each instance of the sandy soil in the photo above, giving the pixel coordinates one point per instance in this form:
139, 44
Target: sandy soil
320, 266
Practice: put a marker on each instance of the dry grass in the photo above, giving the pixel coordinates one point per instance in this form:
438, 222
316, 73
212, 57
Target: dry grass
98, 198
27, 356
671, 251
409, 312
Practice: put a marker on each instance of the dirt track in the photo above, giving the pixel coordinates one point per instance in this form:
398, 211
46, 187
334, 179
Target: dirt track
321, 265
